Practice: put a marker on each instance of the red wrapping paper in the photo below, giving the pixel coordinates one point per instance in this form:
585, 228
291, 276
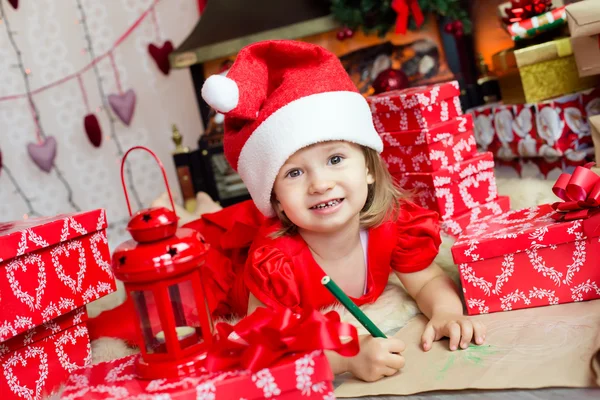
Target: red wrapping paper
37, 362
433, 134
306, 377
524, 258
454, 190
417, 97
52, 266
551, 129
427, 157
457, 224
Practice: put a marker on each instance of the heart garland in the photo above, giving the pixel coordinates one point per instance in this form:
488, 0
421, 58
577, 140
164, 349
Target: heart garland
14, 3
43, 153
161, 55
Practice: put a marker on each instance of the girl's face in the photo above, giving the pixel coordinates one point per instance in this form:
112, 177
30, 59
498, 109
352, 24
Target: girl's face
323, 187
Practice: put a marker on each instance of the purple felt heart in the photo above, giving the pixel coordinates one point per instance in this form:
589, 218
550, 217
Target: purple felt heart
43, 154
123, 105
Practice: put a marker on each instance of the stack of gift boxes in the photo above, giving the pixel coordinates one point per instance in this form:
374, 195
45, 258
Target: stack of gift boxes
51, 268
546, 96
430, 149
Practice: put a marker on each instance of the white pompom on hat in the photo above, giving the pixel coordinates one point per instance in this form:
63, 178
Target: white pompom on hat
279, 97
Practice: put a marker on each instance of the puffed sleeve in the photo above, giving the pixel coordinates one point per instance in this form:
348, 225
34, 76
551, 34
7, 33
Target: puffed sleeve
418, 238
269, 276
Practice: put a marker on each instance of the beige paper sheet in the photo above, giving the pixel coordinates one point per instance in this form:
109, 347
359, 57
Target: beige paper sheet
554, 346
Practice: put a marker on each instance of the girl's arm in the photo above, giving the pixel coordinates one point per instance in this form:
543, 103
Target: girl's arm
377, 357
438, 298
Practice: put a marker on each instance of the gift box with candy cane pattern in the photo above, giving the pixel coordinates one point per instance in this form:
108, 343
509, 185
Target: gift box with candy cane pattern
53, 266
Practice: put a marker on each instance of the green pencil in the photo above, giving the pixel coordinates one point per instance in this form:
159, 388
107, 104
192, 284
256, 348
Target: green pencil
339, 294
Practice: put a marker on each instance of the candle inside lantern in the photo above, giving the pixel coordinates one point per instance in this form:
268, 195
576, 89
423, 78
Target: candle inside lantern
183, 332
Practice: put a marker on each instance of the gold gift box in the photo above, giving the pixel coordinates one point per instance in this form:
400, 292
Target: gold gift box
539, 72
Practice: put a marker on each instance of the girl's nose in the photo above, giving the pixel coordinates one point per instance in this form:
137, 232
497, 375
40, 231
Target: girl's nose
320, 184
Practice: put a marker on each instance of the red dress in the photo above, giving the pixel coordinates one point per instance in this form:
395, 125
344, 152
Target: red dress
282, 272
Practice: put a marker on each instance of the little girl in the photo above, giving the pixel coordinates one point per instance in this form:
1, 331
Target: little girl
303, 141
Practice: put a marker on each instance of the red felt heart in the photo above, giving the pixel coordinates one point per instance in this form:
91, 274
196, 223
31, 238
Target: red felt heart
93, 130
43, 154
14, 3
161, 55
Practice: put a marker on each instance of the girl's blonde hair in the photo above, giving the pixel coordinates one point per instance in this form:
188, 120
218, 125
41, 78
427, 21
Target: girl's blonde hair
383, 198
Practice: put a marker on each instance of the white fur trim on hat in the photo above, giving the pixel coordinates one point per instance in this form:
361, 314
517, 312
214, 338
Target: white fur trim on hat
320, 117
221, 93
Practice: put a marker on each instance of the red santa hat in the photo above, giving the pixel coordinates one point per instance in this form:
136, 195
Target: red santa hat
279, 97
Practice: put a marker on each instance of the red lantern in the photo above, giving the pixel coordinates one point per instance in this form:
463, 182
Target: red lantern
160, 268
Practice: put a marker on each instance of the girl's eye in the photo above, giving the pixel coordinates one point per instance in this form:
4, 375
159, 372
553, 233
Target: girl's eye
294, 173
335, 160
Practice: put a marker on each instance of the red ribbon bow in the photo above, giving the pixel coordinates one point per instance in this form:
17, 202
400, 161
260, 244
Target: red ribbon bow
266, 336
581, 195
403, 9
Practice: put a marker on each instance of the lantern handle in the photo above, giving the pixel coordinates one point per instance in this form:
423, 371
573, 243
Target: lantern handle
162, 168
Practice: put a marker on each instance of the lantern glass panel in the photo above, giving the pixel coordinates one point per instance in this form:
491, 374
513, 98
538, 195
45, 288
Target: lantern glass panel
187, 320
152, 330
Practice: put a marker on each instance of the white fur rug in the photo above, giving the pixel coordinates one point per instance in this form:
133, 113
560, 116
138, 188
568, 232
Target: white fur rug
393, 309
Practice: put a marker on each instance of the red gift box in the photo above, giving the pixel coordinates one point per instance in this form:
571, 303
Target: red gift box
53, 266
457, 224
415, 108
525, 258
454, 190
308, 376
37, 362
432, 134
427, 157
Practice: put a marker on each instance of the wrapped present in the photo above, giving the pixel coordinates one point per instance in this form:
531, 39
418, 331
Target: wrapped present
432, 134
539, 72
456, 189
427, 157
53, 265
535, 256
307, 377
457, 224
268, 354
415, 108
584, 25
551, 129
531, 27
36, 363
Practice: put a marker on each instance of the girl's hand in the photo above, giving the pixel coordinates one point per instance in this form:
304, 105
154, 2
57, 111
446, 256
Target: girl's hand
457, 327
376, 358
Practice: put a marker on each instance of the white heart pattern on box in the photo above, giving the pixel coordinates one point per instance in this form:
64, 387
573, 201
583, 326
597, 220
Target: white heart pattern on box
13, 381
33, 302
558, 278
71, 337
66, 250
475, 181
